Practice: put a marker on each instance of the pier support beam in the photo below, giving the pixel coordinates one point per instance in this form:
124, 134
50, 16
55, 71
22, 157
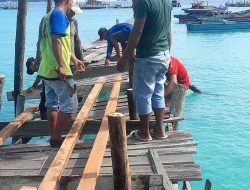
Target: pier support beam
131, 105
20, 48
119, 154
208, 185
1, 89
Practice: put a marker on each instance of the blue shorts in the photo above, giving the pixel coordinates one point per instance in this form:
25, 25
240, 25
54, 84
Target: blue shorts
148, 82
58, 96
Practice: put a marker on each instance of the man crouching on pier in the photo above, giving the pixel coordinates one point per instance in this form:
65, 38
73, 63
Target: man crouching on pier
150, 38
55, 70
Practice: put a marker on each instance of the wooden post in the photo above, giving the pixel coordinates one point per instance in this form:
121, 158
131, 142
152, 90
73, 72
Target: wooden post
131, 104
20, 48
20, 104
1, 89
177, 103
208, 185
19, 109
119, 154
186, 185
49, 5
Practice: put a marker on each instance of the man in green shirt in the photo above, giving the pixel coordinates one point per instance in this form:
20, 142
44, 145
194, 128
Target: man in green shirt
55, 69
151, 36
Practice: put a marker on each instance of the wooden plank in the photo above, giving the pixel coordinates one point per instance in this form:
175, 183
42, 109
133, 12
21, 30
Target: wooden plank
1, 89
57, 167
99, 57
140, 182
159, 169
92, 168
28, 188
16, 123
88, 58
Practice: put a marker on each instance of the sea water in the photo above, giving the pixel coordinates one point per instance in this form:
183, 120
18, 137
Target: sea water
218, 63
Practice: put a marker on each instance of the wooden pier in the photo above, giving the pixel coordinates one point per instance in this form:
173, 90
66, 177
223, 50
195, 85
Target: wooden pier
87, 164
111, 160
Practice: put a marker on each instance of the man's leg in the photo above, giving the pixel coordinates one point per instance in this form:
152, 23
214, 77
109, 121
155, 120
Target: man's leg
143, 87
158, 101
117, 48
62, 120
52, 119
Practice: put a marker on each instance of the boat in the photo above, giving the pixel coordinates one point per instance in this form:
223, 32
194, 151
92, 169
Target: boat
9, 5
92, 4
238, 4
218, 26
176, 3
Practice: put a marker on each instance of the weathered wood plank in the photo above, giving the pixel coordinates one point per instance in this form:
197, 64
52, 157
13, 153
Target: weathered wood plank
16, 123
92, 168
57, 167
88, 58
139, 182
1, 89
159, 169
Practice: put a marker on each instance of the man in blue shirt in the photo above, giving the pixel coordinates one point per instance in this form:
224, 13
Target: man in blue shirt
119, 33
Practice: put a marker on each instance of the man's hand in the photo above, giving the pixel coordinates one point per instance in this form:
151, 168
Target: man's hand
61, 73
31, 89
121, 64
80, 67
107, 62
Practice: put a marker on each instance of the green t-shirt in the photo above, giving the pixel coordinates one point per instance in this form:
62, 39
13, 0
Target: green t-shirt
154, 37
49, 62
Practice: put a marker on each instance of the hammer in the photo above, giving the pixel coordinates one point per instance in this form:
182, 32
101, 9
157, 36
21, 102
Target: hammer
72, 89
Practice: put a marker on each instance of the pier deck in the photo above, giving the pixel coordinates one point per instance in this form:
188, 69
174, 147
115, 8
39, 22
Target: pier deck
27, 164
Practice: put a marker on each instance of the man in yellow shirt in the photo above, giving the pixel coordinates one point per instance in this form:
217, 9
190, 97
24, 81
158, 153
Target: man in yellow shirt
56, 53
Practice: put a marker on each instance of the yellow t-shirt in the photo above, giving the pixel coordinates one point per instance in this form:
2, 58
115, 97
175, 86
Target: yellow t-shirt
49, 63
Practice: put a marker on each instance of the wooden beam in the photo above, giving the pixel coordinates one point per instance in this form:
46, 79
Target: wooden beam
1, 89
15, 124
119, 151
159, 169
92, 168
20, 48
40, 128
59, 163
28, 188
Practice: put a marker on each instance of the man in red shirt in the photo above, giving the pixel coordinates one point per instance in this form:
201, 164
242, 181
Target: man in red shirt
177, 74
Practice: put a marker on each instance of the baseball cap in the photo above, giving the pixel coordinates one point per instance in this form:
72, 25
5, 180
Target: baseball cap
75, 8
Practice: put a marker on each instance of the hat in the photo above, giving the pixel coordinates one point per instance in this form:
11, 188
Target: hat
75, 8
28, 63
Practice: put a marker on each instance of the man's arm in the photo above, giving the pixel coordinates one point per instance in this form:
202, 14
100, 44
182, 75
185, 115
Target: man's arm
35, 84
57, 50
170, 40
38, 52
134, 38
171, 85
78, 45
78, 63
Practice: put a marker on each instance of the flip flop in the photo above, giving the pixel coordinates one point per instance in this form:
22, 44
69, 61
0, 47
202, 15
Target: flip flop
152, 133
134, 135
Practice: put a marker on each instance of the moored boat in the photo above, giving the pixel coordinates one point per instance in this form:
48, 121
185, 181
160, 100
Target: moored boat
218, 26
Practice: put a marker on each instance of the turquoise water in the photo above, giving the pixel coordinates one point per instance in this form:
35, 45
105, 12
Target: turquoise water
217, 62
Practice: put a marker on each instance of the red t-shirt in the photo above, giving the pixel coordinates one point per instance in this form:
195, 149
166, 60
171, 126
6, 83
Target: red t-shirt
175, 67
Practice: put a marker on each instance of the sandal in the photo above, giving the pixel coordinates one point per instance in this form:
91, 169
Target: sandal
134, 135
152, 133
56, 143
